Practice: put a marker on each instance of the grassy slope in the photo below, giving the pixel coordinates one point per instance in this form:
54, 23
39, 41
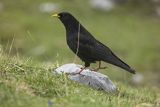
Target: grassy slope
24, 83
27, 83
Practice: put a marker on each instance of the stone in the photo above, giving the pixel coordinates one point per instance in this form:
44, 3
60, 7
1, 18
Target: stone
93, 79
102, 5
49, 7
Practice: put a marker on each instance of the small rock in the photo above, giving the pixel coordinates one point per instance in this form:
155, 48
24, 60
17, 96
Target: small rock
49, 7
103, 5
137, 79
87, 77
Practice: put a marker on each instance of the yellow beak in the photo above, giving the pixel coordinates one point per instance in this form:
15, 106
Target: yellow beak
55, 15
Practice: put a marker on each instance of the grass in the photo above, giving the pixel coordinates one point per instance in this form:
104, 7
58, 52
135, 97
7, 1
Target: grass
36, 43
25, 83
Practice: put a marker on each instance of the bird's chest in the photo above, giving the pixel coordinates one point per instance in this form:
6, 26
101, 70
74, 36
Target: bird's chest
72, 42
79, 47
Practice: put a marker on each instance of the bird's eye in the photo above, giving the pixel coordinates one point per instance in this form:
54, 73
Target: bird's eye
61, 15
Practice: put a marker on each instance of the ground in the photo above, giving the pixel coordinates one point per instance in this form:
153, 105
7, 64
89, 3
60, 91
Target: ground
24, 83
32, 44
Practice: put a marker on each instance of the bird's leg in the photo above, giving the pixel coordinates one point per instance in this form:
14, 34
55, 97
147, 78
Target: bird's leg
77, 72
99, 67
81, 70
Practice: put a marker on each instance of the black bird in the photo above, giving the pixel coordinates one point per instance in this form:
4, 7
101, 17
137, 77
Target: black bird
86, 47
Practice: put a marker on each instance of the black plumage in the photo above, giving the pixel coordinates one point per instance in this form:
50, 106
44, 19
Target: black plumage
87, 48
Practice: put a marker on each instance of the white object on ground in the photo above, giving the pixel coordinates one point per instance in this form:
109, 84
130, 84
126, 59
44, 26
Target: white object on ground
94, 79
49, 7
104, 5
138, 79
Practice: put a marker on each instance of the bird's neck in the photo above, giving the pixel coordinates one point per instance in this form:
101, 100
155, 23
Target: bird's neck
71, 26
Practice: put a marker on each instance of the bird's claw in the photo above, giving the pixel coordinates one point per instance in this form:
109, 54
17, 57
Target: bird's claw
96, 69
76, 72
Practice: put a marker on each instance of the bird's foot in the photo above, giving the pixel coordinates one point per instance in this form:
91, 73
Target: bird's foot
76, 73
96, 69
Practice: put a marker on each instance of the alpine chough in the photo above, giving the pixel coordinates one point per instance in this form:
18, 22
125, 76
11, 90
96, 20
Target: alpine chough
85, 46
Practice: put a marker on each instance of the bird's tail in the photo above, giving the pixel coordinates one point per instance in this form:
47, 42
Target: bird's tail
118, 62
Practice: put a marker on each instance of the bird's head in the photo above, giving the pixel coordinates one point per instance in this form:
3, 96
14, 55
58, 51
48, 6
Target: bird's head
67, 19
63, 16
